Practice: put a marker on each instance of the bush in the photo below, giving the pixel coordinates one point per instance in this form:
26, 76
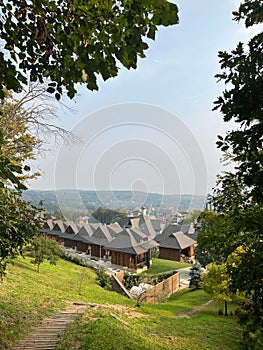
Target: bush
103, 278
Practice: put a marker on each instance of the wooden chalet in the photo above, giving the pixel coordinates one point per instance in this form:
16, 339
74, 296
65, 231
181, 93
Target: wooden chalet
176, 245
131, 248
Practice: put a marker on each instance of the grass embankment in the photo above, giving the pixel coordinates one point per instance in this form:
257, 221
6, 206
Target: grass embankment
27, 296
185, 321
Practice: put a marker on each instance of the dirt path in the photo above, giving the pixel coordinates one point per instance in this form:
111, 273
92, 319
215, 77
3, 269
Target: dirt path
193, 310
47, 335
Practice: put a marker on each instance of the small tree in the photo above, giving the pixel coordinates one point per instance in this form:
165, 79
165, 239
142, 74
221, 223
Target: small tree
82, 275
216, 283
42, 249
195, 276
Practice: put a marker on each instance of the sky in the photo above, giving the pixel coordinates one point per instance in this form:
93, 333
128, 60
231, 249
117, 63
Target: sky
152, 129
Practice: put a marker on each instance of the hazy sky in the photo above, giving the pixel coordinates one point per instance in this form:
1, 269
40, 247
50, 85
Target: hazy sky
152, 129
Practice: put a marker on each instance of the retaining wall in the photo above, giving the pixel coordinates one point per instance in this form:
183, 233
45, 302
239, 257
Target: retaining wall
159, 292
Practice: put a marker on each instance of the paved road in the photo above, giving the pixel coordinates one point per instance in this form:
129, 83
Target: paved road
184, 277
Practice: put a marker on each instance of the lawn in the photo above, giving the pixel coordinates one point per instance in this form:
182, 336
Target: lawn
160, 265
185, 321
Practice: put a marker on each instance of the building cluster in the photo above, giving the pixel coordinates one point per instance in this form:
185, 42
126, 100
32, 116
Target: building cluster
129, 243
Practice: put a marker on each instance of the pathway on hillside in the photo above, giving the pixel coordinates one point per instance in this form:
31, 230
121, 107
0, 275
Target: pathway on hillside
48, 333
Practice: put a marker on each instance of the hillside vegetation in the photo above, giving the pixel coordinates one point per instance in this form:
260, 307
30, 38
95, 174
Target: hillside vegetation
188, 320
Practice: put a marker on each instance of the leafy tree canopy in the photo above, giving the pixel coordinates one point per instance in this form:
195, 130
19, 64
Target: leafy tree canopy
238, 195
18, 225
215, 282
42, 249
69, 42
242, 102
18, 143
108, 216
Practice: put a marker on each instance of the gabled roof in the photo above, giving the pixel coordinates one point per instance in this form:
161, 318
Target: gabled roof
138, 235
125, 242
147, 227
114, 229
94, 226
171, 228
101, 236
72, 228
60, 226
157, 224
177, 240
49, 224
149, 244
130, 221
143, 222
85, 230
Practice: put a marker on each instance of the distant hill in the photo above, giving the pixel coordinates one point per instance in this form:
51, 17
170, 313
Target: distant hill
90, 200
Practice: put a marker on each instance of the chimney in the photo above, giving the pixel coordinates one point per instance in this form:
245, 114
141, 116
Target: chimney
143, 209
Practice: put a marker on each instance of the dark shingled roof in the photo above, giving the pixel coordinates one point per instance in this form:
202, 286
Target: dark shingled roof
73, 237
72, 228
60, 226
85, 230
50, 232
49, 224
127, 243
171, 228
101, 236
157, 224
177, 240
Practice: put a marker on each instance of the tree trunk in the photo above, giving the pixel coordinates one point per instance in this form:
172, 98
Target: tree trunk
226, 314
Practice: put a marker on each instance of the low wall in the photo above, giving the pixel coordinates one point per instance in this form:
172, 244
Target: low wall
159, 292
162, 290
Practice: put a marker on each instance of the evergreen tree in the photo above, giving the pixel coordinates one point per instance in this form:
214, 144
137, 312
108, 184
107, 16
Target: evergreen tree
195, 276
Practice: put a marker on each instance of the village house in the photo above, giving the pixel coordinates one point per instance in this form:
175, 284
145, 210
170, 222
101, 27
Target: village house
130, 245
131, 248
175, 246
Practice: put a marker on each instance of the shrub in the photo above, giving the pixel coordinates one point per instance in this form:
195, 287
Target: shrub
103, 278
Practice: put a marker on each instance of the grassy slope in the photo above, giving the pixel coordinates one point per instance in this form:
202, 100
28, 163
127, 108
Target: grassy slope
26, 297
171, 325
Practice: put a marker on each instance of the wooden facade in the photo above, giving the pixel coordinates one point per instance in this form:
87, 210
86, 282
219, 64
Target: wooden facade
169, 254
123, 259
131, 261
175, 254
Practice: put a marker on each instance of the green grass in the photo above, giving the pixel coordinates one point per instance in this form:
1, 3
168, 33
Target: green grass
171, 325
160, 265
26, 297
